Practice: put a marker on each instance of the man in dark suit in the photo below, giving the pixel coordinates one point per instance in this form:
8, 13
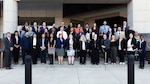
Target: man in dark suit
25, 45
26, 27
35, 27
43, 27
142, 51
86, 29
8, 50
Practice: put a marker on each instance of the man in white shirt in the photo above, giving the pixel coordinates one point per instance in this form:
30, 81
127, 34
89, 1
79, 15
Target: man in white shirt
64, 34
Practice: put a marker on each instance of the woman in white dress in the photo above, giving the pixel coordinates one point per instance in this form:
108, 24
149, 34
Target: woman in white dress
71, 46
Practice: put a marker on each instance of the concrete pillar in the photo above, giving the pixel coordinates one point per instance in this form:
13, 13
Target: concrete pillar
1, 27
138, 15
10, 15
58, 14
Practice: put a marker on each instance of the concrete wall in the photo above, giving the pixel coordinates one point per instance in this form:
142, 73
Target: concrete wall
42, 10
139, 15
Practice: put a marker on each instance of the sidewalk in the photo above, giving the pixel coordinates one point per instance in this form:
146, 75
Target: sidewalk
75, 74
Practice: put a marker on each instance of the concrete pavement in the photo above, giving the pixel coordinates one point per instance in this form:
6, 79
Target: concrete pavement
75, 74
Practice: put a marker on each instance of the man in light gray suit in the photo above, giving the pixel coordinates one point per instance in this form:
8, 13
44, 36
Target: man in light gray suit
119, 32
21, 32
8, 50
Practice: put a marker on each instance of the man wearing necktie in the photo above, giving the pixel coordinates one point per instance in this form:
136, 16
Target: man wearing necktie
8, 50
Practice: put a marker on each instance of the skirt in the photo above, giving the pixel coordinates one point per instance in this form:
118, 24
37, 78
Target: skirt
60, 52
70, 52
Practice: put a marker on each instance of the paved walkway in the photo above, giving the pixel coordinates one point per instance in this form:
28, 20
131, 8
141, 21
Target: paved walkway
75, 74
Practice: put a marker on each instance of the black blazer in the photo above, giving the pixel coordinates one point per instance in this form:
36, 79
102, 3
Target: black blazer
73, 34
133, 42
14, 40
8, 44
74, 44
80, 45
37, 44
45, 42
123, 44
93, 44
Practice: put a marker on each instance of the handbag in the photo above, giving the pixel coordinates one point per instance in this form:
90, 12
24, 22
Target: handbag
70, 52
51, 50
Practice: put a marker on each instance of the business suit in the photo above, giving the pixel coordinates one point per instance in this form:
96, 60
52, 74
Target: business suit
122, 49
43, 29
8, 53
34, 50
126, 30
21, 34
34, 28
142, 52
82, 52
95, 51
25, 44
16, 42
106, 43
43, 52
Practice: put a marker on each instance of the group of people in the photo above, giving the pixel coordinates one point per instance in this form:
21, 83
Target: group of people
39, 41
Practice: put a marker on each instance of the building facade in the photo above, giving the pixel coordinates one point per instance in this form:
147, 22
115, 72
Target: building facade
15, 12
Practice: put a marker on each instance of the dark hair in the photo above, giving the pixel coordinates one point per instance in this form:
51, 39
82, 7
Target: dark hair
141, 36
15, 32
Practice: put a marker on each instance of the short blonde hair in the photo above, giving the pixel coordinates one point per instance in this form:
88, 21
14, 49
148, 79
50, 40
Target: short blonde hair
82, 38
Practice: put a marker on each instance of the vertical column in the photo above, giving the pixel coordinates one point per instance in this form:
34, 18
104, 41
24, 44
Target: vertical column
10, 15
138, 15
58, 13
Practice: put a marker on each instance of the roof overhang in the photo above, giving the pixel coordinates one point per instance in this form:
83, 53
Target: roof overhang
80, 1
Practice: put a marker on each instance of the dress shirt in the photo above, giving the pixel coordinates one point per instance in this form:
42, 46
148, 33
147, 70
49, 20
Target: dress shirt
34, 41
104, 28
83, 45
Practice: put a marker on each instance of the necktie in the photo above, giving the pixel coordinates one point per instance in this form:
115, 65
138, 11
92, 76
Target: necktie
20, 32
62, 35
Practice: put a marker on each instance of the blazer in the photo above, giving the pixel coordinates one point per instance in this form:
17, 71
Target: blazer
33, 29
22, 34
143, 46
123, 44
45, 42
7, 44
25, 42
73, 34
93, 44
74, 44
42, 29
80, 45
15, 43
133, 42
37, 44
59, 43
106, 43
14, 40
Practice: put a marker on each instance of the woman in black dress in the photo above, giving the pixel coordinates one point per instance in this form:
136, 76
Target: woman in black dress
113, 49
